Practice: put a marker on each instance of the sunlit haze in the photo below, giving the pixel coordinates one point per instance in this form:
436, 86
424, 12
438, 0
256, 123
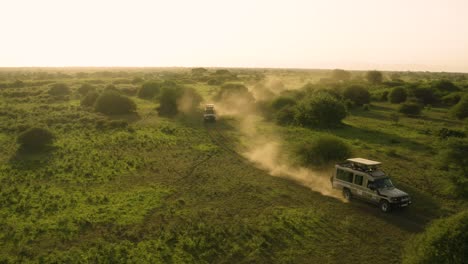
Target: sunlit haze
361, 34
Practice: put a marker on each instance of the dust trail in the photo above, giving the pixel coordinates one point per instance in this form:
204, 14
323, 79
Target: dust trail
264, 147
265, 151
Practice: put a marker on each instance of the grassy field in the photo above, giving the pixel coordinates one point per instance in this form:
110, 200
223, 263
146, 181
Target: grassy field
174, 190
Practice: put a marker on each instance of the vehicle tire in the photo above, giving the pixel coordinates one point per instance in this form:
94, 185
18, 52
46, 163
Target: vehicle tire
385, 206
347, 194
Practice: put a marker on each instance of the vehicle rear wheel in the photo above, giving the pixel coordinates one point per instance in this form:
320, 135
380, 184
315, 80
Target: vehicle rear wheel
385, 206
347, 194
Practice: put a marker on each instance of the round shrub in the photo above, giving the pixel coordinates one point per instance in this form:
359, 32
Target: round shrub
149, 90
357, 94
410, 109
59, 89
460, 110
397, 95
285, 116
35, 138
85, 88
89, 99
444, 241
168, 101
374, 77
320, 110
323, 150
112, 103
424, 95
282, 101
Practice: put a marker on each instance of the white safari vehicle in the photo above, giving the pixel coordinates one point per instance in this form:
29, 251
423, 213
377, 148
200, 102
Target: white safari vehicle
362, 179
210, 113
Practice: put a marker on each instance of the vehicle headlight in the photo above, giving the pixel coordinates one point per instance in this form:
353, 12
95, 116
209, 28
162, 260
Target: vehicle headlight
394, 199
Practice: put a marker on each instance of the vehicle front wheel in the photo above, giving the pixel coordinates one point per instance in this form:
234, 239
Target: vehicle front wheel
347, 194
385, 206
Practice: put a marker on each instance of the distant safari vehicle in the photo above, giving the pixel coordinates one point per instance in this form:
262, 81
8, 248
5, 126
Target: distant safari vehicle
362, 179
210, 113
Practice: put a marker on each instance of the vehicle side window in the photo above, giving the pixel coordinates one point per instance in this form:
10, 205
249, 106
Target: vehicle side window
344, 175
358, 179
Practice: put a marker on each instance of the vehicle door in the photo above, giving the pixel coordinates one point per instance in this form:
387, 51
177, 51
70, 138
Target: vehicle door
368, 194
358, 185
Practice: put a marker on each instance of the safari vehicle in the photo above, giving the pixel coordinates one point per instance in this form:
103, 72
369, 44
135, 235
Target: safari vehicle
210, 113
362, 179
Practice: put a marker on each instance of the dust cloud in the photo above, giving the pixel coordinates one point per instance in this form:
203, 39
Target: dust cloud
264, 149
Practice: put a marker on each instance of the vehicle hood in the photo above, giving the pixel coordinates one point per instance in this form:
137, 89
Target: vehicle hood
393, 192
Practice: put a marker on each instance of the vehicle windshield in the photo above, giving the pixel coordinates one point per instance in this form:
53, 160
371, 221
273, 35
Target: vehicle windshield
209, 111
383, 183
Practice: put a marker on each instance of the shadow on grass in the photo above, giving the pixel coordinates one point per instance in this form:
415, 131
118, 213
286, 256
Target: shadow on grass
376, 137
31, 159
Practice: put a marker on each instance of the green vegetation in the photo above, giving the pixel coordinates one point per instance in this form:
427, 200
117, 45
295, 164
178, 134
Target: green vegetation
444, 241
460, 110
374, 77
323, 150
321, 110
397, 95
113, 103
35, 138
149, 90
357, 94
135, 186
410, 109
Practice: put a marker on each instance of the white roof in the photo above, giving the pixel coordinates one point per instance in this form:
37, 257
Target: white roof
364, 161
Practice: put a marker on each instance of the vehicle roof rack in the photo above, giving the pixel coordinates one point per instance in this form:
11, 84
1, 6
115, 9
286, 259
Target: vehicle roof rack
364, 161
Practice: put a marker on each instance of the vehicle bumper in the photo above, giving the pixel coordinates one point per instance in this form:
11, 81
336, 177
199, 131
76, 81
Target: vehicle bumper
402, 204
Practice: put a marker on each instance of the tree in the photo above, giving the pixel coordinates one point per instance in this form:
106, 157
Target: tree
444, 241
397, 95
168, 101
89, 99
58, 89
424, 94
323, 150
410, 109
374, 77
149, 90
357, 94
341, 75
199, 71
86, 88
113, 103
454, 158
445, 86
460, 110
35, 138
320, 109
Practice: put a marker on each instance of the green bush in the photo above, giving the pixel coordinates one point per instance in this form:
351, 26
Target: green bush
444, 241
357, 94
397, 95
320, 109
410, 109
59, 89
35, 138
460, 110
89, 99
374, 77
323, 150
149, 90
168, 101
452, 99
425, 95
285, 116
113, 103
282, 101
85, 88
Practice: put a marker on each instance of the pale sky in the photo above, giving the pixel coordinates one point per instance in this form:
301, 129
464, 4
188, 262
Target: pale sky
350, 34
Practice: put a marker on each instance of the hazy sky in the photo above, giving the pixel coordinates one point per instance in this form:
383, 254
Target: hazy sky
350, 34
